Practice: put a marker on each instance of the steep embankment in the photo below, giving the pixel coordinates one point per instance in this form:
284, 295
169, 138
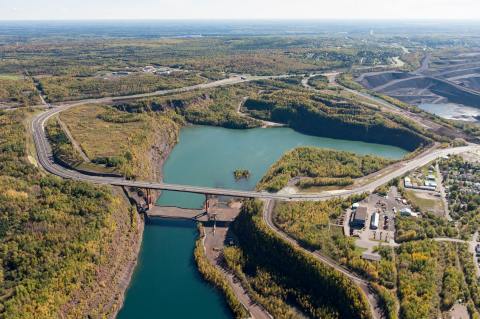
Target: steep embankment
372, 80
413, 88
334, 117
65, 246
216, 107
134, 145
318, 289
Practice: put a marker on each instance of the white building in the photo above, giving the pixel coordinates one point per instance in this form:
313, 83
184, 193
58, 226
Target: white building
408, 182
430, 184
374, 221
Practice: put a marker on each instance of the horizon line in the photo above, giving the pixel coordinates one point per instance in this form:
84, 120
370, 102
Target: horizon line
250, 20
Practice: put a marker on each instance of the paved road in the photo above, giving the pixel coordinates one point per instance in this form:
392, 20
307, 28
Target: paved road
45, 155
236, 79
364, 285
45, 159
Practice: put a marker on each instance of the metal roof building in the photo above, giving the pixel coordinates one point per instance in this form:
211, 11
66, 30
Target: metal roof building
359, 217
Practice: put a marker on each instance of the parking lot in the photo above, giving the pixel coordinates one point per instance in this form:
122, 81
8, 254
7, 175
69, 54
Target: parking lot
387, 207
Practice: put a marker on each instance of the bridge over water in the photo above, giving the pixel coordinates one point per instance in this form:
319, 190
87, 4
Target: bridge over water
45, 158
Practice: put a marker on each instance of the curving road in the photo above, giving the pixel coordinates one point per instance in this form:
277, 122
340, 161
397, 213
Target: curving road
361, 283
45, 158
235, 79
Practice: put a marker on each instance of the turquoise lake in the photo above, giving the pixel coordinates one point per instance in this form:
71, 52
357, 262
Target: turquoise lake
166, 283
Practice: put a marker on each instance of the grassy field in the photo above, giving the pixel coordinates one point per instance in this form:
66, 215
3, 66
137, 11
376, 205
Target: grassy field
425, 203
123, 140
66, 154
10, 76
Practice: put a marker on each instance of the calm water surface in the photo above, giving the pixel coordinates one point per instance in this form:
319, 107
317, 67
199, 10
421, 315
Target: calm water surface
166, 283
453, 111
207, 156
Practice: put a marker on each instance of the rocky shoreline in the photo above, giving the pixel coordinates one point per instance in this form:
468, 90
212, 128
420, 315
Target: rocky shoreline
128, 270
163, 144
104, 297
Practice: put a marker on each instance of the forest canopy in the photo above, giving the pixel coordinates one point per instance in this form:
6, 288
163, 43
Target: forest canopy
313, 166
53, 233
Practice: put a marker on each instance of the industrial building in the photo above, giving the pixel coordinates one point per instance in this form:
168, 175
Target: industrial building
359, 217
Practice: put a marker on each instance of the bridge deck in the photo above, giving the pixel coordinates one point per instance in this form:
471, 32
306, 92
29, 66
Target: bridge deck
46, 161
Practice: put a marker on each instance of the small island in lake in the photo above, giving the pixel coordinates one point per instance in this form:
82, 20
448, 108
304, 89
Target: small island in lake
241, 173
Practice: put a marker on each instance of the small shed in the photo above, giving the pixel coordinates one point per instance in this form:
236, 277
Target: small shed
408, 182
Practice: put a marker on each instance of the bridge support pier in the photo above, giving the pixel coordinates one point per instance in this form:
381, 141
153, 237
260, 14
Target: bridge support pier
149, 199
207, 203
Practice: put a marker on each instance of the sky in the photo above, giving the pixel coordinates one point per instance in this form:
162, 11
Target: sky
238, 9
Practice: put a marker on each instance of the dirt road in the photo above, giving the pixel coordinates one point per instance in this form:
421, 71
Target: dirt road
214, 243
